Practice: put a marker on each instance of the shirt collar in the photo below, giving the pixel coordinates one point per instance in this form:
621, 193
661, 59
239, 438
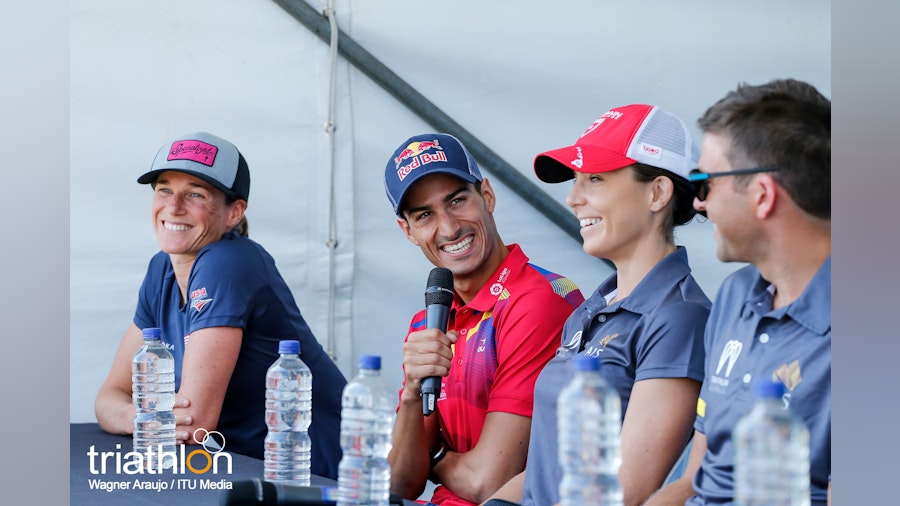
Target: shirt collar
812, 309
669, 271
495, 288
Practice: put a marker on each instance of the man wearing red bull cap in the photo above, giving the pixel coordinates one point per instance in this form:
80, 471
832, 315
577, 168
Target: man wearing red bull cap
504, 326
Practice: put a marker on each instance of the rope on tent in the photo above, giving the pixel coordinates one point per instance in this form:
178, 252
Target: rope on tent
331, 241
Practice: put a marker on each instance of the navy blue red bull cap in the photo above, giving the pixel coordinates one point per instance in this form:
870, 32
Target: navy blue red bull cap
422, 155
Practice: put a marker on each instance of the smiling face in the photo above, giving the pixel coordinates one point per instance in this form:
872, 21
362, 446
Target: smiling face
614, 210
728, 204
189, 213
453, 225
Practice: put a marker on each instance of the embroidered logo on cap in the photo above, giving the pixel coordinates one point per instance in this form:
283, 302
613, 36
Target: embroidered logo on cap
416, 151
608, 114
651, 151
195, 151
579, 158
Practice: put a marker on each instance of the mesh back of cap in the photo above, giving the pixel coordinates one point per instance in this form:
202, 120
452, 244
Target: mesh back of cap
665, 131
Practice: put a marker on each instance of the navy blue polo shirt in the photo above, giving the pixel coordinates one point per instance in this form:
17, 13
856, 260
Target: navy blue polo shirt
234, 283
655, 332
747, 340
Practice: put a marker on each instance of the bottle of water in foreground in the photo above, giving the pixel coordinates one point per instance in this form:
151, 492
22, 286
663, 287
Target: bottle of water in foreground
153, 396
367, 419
589, 416
286, 456
771, 449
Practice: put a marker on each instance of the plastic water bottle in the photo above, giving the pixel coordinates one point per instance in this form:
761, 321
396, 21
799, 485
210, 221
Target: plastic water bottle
153, 396
287, 452
589, 415
771, 446
367, 419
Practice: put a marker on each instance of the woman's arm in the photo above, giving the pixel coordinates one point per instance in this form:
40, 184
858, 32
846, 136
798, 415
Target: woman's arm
113, 406
209, 360
656, 428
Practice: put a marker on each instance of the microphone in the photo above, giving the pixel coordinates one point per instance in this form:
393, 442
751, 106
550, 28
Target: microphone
438, 299
259, 492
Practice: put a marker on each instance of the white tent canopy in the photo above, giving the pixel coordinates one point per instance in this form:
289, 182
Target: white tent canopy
522, 76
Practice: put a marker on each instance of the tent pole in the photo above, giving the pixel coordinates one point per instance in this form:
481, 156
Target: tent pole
434, 116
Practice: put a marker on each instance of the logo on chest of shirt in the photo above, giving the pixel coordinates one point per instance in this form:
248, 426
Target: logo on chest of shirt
729, 356
199, 299
483, 341
595, 349
607, 338
789, 374
497, 286
574, 343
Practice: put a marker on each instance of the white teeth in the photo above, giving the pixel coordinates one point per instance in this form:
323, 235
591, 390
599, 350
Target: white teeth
175, 228
461, 245
586, 222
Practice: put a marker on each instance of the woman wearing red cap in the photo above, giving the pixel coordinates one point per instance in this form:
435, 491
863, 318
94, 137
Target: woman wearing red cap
646, 321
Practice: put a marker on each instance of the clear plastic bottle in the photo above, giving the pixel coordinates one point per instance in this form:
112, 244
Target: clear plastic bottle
771, 449
153, 396
589, 417
367, 420
286, 456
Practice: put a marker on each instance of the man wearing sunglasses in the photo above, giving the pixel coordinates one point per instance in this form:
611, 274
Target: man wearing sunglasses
764, 181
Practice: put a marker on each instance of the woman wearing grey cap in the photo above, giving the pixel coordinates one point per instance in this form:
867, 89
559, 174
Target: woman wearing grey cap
222, 306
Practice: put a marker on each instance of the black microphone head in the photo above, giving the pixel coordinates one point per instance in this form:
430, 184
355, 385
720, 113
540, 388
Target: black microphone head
439, 289
247, 493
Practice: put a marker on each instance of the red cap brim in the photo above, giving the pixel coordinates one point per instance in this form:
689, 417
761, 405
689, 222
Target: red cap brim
558, 165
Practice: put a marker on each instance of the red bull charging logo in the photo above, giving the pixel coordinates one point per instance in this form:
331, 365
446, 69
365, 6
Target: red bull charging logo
416, 153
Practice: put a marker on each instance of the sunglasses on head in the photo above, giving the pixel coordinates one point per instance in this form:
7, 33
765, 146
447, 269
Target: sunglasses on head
700, 180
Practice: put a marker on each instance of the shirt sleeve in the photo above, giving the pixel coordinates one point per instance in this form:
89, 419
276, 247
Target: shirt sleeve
221, 288
671, 345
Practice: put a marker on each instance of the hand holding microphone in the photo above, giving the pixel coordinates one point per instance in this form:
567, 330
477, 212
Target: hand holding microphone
438, 299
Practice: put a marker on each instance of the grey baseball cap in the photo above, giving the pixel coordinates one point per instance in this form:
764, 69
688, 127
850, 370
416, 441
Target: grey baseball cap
206, 156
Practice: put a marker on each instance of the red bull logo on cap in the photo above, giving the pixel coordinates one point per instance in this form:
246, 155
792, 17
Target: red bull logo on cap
416, 152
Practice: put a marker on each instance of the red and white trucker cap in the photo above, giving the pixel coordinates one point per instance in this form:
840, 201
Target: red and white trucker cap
623, 136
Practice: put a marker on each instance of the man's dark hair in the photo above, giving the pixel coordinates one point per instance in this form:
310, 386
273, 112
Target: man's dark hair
784, 123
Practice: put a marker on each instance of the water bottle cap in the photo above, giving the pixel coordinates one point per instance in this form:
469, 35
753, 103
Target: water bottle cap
586, 363
152, 333
768, 389
289, 346
372, 362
